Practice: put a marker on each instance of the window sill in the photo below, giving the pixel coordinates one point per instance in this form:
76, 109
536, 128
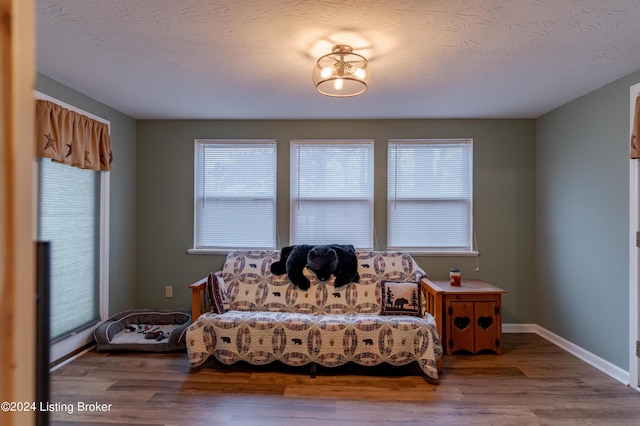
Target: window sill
225, 251
472, 253
412, 252
208, 251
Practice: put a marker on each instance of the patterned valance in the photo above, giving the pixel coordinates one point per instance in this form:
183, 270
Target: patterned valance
635, 131
71, 138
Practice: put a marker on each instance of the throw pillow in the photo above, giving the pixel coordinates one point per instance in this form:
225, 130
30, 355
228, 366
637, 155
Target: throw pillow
216, 294
401, 298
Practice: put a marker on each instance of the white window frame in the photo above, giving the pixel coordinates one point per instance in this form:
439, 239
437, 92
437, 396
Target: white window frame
81, 338
196, 196
392, 197
295, 196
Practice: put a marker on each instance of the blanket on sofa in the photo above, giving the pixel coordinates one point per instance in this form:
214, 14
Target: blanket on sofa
268, 319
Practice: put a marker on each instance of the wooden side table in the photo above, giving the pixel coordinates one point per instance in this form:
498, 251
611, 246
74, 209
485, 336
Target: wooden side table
469, 317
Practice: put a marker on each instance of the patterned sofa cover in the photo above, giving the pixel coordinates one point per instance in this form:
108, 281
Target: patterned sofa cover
269, 319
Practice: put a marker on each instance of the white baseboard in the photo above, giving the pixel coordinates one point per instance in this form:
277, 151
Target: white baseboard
520, 328
71, 358
595, 361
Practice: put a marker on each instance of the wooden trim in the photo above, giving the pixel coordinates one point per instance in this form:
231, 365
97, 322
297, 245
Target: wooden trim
6, 201
198, 298
634, 252
17, 251
435, 305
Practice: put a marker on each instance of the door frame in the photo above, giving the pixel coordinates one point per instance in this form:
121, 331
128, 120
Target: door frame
17, 250
634, 253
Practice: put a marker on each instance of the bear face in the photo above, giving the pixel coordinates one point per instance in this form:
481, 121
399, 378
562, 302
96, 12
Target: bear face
323, 261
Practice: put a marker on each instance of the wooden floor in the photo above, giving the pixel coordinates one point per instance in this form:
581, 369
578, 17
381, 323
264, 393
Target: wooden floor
532, 383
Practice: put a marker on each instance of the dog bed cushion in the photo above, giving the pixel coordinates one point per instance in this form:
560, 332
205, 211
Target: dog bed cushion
127, 331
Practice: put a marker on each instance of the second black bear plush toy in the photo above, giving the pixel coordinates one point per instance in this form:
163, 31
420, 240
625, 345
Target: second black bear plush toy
323, 260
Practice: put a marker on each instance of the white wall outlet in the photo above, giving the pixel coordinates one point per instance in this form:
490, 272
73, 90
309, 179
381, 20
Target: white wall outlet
168, 291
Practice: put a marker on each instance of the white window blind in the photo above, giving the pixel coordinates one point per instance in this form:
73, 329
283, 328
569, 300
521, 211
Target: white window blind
332, 192
429, 195
235, 194
69, 217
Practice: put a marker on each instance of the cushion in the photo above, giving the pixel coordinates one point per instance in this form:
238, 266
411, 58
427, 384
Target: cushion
401, 298
390, 266
216, 294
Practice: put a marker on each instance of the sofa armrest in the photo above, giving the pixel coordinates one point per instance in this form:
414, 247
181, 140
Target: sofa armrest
198, 298
419, 274
435, 306
433, 297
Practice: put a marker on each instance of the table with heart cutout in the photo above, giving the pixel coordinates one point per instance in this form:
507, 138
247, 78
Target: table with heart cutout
469, 316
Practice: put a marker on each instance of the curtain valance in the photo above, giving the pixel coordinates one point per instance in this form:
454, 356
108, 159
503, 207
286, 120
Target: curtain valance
635, 131
71, 138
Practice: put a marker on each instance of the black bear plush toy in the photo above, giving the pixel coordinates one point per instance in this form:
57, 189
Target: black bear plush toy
323, 260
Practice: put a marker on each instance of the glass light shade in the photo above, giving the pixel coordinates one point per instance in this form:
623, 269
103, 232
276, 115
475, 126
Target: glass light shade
341, 73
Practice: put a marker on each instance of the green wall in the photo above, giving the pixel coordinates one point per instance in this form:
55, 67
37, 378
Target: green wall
582, 203
504, 198
122, 212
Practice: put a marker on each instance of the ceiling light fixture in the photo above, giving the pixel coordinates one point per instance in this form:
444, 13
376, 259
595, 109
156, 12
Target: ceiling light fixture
341, 73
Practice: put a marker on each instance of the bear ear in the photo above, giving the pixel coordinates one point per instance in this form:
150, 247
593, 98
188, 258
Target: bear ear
313, 253
332, 253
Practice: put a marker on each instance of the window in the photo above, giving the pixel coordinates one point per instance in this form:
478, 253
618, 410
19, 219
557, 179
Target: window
79, 262
331, 194
235, 194
69, 201
429, 195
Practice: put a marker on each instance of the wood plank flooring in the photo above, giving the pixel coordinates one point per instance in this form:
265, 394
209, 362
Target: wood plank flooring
532, 383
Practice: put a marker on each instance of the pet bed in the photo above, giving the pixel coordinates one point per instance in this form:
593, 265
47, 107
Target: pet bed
144, 330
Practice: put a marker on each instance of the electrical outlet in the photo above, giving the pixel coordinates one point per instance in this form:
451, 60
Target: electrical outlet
168, 291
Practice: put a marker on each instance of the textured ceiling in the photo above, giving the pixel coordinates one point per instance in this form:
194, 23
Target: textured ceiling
253, 58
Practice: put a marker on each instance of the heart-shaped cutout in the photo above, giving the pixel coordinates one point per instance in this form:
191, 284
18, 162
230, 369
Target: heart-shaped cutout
485, 322
461, 322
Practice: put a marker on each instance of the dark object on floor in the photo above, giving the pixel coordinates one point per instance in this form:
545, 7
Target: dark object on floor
144, 330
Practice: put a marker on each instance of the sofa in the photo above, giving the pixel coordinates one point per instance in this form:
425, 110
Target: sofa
245, 313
